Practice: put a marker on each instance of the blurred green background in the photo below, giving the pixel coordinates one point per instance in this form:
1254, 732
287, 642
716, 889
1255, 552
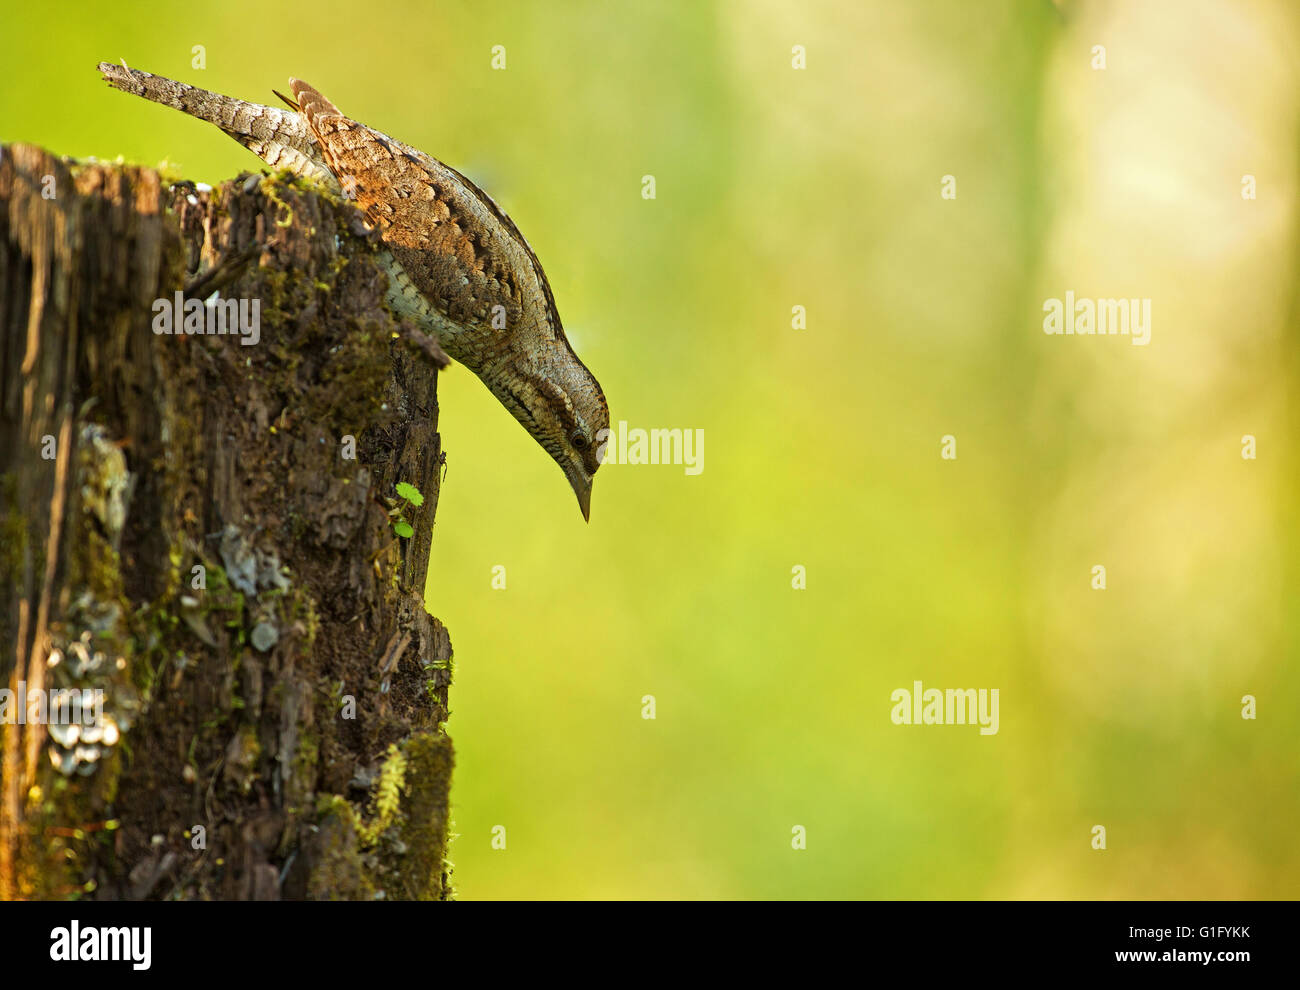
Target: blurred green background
821, 188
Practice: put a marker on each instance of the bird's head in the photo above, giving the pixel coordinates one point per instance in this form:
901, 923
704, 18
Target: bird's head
564, 409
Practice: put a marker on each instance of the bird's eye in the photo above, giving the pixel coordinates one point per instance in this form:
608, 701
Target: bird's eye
578, 440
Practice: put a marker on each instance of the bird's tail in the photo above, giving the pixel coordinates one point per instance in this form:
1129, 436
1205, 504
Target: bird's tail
280, 138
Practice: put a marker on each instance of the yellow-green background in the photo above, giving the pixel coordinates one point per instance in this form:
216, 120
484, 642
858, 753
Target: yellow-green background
821, 188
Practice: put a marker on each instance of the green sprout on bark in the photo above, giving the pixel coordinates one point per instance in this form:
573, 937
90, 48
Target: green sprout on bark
410, 499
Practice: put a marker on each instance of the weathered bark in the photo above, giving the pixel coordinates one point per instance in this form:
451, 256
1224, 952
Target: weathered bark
171, 453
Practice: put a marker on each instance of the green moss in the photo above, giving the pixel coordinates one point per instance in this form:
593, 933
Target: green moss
305, 760
327, 190
298, 526
243, 757
175, 557
105, 572
274, 286
387, 800
221, 599
424, 819
169, 174
338, 872
270, 188
301, 610
403, 844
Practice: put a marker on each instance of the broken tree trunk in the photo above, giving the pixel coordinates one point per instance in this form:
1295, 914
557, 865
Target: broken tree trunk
198, 531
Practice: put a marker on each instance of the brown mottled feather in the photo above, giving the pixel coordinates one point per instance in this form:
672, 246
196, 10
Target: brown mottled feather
458, 248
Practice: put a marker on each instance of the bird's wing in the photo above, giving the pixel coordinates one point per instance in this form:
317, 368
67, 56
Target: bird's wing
459, 249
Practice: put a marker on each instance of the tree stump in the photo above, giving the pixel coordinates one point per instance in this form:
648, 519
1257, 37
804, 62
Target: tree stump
198, 529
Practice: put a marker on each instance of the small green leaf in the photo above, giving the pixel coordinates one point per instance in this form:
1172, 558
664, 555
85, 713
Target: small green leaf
410, 493
403, 529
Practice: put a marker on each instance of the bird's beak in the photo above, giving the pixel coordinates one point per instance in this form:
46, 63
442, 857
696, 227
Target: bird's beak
582, 488
584, 500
